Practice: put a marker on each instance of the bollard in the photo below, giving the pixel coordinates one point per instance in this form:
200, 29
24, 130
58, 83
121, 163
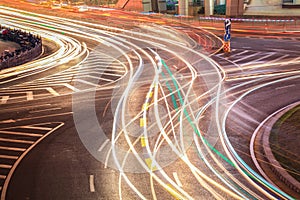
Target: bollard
226, 47
227, 36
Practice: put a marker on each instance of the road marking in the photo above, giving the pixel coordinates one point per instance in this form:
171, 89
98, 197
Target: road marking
279, 58
3, 166
4, 99
245, 51
142, 122
92, 183
37, 128
145, 106
21, 133
149, 95
172, 191
286, 86
143, 141
259, 60
150, 164
71, 87
16, 141
52, 91
89, 83
2, 177
12, 148
103, 145
9, 157
177, 179
29, 95
246, 57
7, 121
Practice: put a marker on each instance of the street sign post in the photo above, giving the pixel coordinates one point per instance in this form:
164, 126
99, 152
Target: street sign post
227, 35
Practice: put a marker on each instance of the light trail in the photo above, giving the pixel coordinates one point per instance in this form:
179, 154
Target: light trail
175, 104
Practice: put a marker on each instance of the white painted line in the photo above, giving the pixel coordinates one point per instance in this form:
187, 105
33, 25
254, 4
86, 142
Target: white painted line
88, 83
3, 166
37, 128
2, 177
29, 95
103, 145
93, 77
259, 60
52, 91
9, 157
294, 60
92, 183
4, 99
12, 148
16, 141
7, 121
279, 58
71, 87
246, 57
21, 133
245, 51
177, 179
286, 86
247, 64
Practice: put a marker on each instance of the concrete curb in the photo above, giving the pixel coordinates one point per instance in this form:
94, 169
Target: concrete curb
275, 166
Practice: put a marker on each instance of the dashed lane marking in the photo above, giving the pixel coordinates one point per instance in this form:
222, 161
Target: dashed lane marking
4, 99
92, 183
29, 95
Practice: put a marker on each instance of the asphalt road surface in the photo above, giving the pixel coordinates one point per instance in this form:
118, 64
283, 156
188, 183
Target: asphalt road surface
135, 107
